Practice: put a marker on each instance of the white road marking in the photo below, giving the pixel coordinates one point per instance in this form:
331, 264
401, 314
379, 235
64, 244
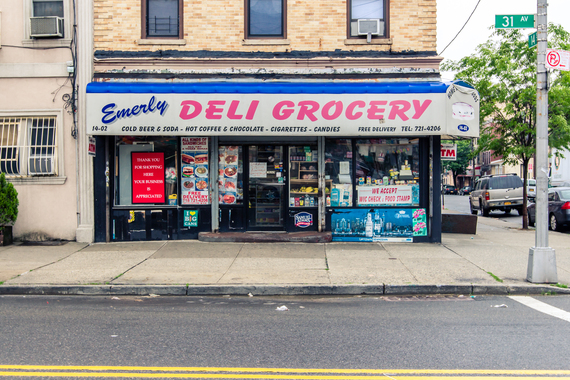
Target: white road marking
542, 307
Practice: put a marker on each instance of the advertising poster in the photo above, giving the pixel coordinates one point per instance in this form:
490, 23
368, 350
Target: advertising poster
228, 173
377, 225
148, 177
194, 182
190, 218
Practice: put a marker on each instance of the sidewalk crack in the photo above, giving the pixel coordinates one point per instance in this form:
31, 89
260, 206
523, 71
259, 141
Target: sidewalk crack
232, 263
137, 264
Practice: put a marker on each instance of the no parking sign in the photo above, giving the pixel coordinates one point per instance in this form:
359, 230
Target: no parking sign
557, 59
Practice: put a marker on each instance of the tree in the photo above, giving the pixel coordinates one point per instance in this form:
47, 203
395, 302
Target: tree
503, 70
459, 166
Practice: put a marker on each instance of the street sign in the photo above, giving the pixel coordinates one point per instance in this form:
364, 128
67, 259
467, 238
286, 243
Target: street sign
514, 21
532, 40
557, 59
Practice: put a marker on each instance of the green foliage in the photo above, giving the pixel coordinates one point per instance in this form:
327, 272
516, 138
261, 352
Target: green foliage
8, 202
464, 154
504, 71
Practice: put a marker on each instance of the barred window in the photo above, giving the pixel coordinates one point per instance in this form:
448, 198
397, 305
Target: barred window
28, 146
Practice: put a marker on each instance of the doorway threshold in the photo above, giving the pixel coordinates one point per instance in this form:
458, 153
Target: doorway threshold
266, 237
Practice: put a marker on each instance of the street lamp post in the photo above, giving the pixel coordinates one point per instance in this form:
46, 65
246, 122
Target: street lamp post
542, 258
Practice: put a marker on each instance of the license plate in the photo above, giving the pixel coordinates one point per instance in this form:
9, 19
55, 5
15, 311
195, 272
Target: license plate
507, 203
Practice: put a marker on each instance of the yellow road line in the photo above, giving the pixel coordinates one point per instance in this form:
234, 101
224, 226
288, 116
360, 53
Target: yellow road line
235, 376
525, 372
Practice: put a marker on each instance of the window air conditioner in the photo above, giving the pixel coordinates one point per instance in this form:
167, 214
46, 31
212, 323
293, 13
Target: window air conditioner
41, 165
369, 26
51, 26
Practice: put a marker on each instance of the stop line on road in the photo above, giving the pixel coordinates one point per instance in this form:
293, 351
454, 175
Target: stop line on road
542, 307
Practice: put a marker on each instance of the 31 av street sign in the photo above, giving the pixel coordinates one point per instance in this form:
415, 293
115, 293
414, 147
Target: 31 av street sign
514, 21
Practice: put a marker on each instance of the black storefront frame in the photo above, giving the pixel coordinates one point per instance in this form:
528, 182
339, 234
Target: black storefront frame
105, 213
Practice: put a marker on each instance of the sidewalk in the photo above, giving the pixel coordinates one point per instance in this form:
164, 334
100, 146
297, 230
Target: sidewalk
460, 265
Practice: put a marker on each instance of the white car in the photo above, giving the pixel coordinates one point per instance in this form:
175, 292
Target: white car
531, 189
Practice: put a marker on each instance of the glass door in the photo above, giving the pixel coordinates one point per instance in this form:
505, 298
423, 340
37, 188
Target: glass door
266, 187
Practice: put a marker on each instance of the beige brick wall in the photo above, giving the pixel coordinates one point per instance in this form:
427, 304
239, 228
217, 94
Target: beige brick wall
312, 25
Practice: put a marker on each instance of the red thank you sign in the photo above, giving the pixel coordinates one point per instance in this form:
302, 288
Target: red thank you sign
148, 177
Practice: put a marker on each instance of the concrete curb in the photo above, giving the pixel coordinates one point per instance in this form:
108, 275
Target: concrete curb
275, 290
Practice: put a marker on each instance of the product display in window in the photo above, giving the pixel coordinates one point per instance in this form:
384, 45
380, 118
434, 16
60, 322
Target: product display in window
338, 172
304, 176
230, 166
195, 188
387, 172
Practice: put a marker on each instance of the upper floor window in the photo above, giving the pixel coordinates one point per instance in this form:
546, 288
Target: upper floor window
265, 18
373, 11
43, 8
162, 18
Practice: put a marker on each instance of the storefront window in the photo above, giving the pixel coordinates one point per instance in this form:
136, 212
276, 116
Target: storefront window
338, 172
304, 173
195, 189
146, 171
387, 172
230, 174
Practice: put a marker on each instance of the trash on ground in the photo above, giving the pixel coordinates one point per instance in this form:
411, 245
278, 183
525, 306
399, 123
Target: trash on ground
250, 295
115, 298
301, 307
503, 305
282, 308
153, 295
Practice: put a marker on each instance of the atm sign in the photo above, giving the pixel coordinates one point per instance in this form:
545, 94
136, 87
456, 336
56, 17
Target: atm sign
449, 152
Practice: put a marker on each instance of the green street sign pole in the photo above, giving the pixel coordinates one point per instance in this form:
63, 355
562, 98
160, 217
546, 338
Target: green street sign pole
532, 40
514, 21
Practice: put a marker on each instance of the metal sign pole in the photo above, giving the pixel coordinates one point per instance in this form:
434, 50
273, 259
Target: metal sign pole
542, 258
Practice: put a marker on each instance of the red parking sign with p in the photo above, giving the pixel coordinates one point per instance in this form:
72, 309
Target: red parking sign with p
557, 59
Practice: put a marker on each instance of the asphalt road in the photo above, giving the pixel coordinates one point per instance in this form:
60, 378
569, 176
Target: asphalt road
461, 203
372, 333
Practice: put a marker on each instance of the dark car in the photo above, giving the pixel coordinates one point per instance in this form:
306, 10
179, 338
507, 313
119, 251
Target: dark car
558, 209
449, 189
465, 190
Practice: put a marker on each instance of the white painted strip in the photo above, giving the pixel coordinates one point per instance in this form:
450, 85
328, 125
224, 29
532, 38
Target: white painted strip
542, 307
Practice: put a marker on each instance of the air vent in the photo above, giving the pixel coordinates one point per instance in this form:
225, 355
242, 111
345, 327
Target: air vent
51, 26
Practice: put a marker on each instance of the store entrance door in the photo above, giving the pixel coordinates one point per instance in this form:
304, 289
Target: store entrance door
267, 184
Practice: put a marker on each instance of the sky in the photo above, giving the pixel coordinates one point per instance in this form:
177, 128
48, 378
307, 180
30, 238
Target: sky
452, 15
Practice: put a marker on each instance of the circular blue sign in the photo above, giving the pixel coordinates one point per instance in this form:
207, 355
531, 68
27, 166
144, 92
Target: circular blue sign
463, 127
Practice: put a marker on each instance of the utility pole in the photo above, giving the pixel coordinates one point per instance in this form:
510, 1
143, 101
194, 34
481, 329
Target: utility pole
542, 258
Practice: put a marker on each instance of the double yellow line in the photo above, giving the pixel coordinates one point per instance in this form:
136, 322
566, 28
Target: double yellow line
272, 373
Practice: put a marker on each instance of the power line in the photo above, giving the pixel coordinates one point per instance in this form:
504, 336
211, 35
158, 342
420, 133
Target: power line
461, 28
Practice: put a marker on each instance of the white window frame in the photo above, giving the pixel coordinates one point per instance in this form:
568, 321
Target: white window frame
23, 142
48, 42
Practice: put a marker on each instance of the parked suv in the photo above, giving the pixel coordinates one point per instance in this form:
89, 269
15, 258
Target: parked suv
497, 192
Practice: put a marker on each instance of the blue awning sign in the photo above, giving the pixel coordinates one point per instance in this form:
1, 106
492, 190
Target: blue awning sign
283, 109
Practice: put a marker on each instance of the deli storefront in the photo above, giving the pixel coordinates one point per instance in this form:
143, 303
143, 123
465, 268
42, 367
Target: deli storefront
360, 160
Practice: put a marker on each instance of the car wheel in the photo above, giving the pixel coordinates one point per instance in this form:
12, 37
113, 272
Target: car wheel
484, 211
473, 212
508, 211
553, 223
520, 211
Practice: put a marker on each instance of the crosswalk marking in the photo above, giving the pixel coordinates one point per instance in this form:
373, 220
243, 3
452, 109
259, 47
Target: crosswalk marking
542, 307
